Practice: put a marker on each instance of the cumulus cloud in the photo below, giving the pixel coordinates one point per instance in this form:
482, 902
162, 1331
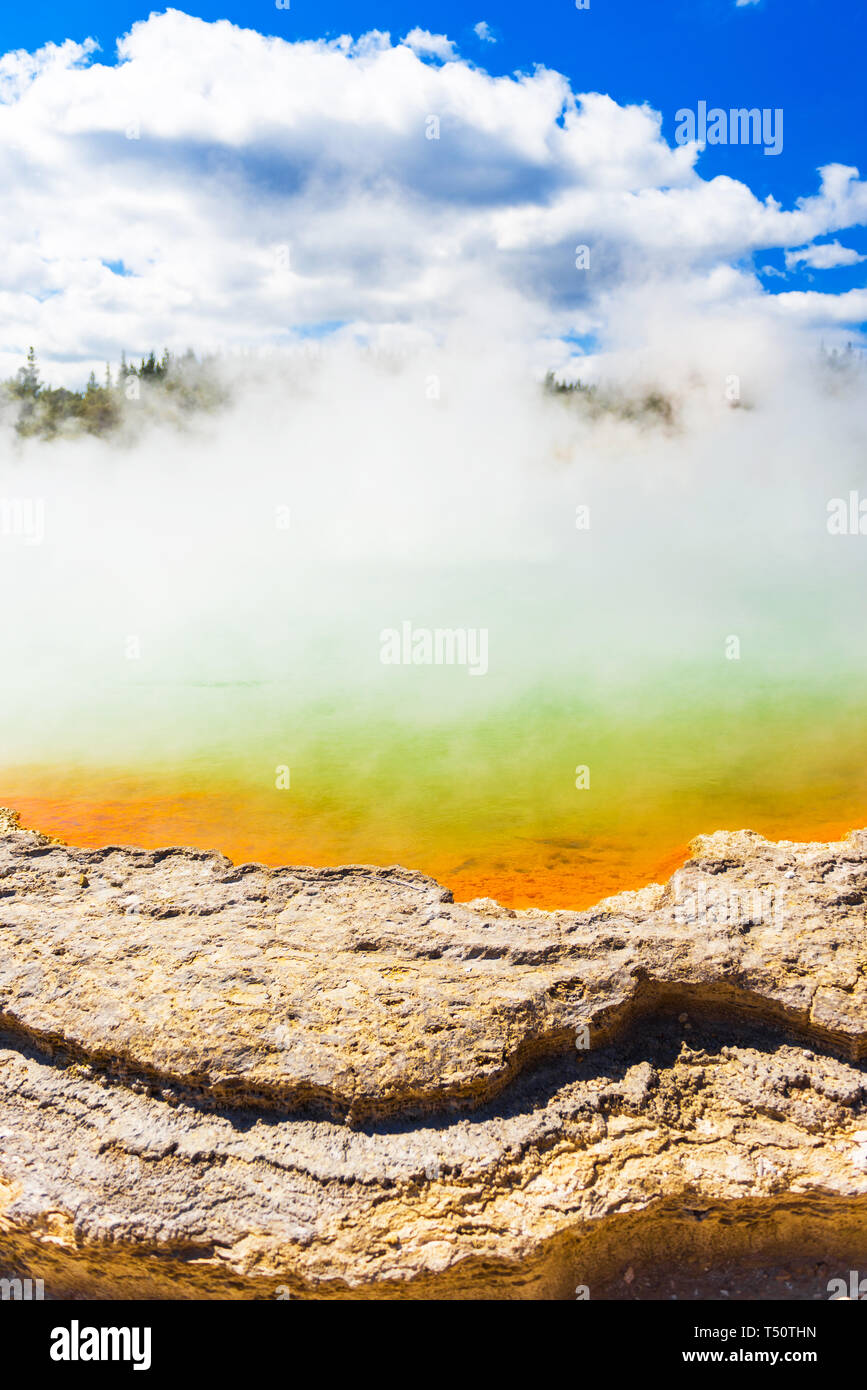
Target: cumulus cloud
421, 41
218, 187
482, 30
827, 256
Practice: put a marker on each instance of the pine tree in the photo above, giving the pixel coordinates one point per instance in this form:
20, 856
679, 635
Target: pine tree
28, 377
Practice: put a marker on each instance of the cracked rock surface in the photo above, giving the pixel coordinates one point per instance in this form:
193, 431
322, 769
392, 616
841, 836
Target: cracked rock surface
236, 1081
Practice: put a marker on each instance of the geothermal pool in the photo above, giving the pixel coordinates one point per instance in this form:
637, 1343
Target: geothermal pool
673, 640
553, 795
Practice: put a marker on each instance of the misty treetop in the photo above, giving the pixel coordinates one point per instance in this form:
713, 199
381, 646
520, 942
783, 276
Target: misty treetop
185, 384
175, 388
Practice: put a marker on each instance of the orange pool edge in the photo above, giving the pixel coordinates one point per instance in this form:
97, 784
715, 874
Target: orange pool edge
531, 880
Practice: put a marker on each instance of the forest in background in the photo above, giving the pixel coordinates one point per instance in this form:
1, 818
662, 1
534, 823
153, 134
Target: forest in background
177, 387
186, 383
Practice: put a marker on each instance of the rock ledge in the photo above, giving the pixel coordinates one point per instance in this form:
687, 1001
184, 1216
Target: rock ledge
221, 1080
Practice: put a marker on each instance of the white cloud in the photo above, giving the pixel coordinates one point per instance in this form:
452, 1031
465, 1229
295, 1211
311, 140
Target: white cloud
275, 187
825, 257
421, 41
810, 307
482, 30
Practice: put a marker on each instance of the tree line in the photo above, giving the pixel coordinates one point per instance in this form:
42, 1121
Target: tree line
187, 383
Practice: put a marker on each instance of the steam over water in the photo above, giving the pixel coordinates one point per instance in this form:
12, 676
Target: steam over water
192, 649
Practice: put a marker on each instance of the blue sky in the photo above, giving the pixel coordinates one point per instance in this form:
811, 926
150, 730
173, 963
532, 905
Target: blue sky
803, 56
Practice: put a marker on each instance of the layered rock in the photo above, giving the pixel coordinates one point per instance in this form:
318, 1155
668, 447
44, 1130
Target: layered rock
236, 1081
